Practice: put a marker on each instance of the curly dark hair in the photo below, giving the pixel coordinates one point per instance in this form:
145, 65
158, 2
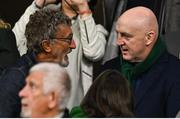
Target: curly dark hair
109, 96
42, 25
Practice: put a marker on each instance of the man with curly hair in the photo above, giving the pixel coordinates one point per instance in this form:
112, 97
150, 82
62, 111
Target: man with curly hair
49, 39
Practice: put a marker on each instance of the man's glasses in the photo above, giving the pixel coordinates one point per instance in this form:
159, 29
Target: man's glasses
67, 39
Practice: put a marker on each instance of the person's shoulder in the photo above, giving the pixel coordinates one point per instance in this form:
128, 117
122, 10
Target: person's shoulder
20, 68
114, 63
77, 112
174, 61
7, 39
12, 73
6, 32
171, 68
169, 60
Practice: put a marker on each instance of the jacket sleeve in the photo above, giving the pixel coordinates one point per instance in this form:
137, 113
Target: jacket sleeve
93, 38
11, 82
19, 29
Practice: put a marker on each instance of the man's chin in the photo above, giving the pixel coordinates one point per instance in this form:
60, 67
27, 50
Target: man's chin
25, 114
125, 57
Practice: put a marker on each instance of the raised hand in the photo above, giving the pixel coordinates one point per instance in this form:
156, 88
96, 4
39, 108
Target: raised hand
82, 5
42, 3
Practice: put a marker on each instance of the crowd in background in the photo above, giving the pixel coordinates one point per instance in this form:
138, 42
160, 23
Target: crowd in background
90, 58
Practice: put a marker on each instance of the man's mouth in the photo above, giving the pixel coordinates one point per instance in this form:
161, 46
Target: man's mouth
124, 49
69, 51
24, 103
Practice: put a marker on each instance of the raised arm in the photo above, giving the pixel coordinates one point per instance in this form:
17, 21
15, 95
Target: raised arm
93, 37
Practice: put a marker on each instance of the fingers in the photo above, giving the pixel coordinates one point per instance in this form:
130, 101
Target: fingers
42, 3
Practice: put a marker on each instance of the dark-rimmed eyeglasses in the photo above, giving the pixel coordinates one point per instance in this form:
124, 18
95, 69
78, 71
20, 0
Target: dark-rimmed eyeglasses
67, 39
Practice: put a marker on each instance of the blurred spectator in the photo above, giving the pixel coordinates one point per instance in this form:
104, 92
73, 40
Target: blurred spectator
109, 96
46, 92
8, 49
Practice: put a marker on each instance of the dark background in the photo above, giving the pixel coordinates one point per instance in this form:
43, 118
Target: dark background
11, 10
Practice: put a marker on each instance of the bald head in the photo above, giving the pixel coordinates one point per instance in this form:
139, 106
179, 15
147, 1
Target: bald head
137, 32
141, 18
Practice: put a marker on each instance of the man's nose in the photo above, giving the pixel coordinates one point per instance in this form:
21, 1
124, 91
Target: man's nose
120, 41
73, 44
23, 92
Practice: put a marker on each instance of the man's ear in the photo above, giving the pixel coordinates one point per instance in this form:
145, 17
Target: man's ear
46, 46
53, 100
150, 37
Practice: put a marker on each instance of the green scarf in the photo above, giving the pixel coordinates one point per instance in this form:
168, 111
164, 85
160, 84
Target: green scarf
77, 112
131, 70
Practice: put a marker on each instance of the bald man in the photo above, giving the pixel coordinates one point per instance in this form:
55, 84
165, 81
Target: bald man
153, 73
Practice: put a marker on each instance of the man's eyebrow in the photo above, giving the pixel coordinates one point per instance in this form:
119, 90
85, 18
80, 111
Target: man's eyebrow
124, 34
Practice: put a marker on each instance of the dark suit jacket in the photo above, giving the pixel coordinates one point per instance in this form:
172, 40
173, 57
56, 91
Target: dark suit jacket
12, 80
157, 91
8, 49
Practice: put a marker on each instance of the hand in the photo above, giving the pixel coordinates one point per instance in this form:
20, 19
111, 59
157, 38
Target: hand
50, 2
42, 3
77, 2
82, 5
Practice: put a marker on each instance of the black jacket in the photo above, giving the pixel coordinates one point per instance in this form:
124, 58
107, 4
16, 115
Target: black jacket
157, 91
8, 49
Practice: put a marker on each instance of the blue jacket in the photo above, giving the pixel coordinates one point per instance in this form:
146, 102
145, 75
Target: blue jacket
157, 91
12, 81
